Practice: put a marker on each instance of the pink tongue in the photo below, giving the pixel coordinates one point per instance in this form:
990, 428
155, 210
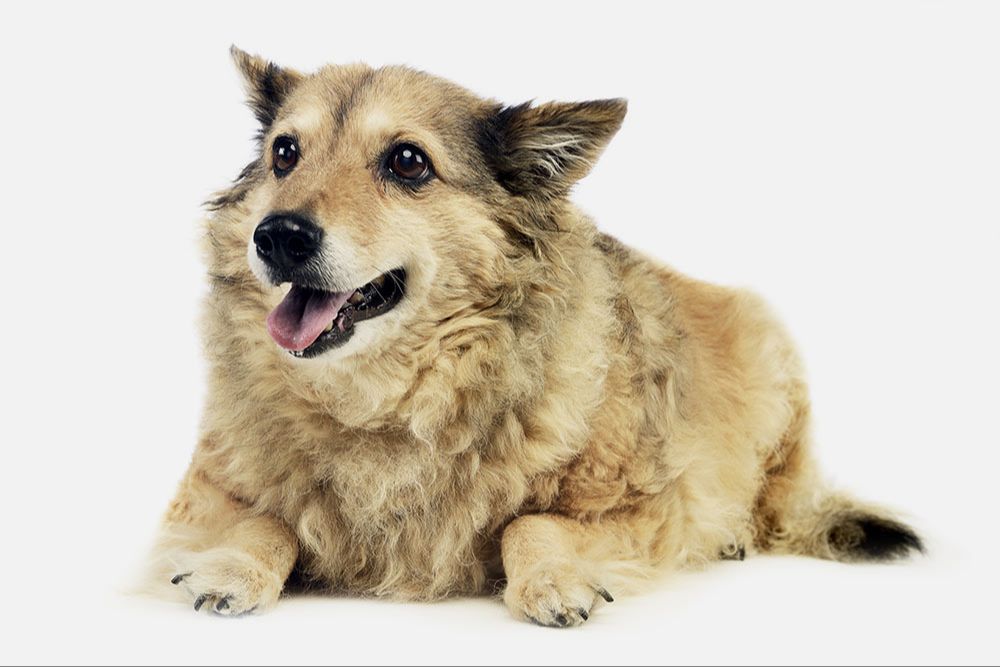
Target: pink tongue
303, 315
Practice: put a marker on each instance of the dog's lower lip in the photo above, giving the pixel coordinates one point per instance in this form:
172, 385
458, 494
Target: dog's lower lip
369, 301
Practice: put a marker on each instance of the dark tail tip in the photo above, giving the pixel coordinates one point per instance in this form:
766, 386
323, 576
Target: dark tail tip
860, 537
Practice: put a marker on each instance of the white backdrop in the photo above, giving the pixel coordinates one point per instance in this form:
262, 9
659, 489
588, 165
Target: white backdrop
842, 158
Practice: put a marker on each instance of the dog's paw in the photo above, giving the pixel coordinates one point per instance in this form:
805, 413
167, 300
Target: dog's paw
554, 596
227, 582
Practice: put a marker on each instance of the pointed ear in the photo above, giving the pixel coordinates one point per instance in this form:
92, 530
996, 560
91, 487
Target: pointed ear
266, 84
542, 151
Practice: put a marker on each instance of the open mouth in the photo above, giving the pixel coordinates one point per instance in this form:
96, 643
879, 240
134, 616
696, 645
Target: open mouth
310, 321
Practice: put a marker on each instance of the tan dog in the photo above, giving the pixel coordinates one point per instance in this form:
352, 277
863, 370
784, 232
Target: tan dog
432, 375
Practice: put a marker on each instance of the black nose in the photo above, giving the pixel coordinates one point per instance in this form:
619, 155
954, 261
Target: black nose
287, 241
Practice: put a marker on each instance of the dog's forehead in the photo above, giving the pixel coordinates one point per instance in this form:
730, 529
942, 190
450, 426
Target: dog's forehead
379, 101
307, 116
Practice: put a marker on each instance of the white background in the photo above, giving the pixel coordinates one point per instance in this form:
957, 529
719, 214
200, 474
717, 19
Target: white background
841, 158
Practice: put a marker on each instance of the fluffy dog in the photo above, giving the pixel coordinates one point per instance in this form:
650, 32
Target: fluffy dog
431, 375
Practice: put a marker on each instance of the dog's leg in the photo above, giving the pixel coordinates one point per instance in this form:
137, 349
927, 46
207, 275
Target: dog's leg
558, 568
219, 554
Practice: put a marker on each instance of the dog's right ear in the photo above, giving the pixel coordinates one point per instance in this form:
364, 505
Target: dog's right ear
266, 84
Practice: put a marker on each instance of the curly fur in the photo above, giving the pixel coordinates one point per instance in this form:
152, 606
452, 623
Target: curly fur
548, 408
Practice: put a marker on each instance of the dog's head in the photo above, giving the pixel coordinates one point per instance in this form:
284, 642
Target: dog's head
382, 198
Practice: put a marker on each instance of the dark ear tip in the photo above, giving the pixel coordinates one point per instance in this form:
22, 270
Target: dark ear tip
238, 55
617, 106
608, 113
247, 64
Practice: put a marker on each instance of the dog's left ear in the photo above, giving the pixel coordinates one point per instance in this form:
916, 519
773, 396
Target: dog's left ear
540, 152
267, 85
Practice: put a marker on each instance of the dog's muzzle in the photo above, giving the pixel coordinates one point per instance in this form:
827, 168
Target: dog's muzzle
314, 316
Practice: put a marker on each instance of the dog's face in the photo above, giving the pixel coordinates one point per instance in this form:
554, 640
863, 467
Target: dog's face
386, 198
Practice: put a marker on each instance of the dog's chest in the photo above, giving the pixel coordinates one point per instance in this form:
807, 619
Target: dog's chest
385, 517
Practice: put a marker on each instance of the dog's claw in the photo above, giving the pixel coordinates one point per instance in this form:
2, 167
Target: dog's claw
561, 620
199, 602
604, 594
583, 614
739, 553
223, 604
179, 578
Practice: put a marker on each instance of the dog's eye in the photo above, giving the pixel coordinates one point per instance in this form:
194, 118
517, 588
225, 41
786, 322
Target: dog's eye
409, 163
286, 155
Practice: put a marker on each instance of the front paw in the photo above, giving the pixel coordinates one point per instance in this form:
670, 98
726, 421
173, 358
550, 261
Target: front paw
557, 596
227, 582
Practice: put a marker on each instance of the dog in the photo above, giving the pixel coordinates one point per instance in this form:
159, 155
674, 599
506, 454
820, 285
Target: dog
431, 375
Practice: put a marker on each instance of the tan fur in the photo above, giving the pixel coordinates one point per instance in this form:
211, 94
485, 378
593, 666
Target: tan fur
546, 405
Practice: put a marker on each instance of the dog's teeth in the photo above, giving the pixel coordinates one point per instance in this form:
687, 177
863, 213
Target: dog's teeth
356, 299
378, 282
329, 327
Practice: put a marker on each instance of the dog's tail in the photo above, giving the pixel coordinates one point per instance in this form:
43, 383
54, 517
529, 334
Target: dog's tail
798, 514
836, 527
